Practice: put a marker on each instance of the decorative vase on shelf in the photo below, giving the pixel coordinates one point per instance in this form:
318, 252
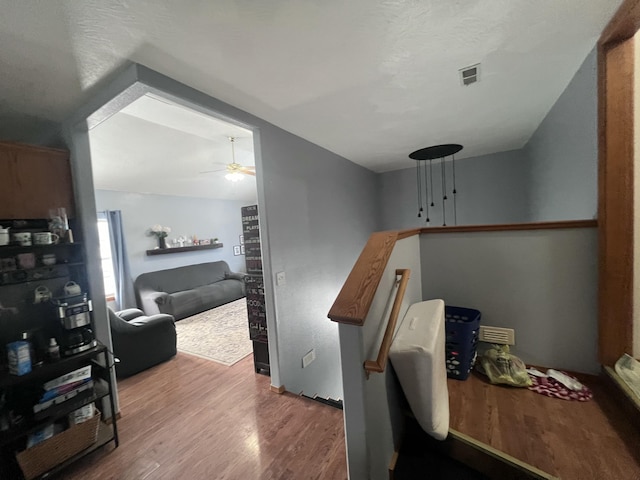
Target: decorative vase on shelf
162, 242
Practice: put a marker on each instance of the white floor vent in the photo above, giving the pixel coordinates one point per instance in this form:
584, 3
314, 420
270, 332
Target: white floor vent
502, 336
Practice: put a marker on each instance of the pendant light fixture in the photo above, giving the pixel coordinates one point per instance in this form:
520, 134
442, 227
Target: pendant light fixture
430, 154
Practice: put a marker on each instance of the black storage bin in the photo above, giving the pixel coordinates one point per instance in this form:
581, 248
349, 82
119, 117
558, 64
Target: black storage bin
462, 326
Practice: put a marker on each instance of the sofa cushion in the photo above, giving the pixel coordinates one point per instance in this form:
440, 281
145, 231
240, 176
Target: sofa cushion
220, 293
188, 277
233, 289
235, 276
182, 303
213, 294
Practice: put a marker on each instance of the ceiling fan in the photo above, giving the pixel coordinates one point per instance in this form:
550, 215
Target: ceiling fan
235, 171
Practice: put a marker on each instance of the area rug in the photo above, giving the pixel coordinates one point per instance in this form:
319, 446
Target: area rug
220, 334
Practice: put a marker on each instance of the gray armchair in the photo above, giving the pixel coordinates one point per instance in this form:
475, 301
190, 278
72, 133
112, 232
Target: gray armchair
140, 341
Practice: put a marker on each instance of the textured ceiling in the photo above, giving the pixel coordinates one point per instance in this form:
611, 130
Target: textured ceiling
152, 146
371, 81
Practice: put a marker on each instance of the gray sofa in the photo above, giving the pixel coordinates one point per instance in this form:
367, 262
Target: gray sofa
185, 291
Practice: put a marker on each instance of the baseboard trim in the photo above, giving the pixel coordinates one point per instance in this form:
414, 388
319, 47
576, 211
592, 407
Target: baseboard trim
275, 389
109, 420
327, 401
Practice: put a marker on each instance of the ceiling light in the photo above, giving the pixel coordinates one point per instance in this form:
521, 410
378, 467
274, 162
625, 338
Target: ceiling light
424, 177
235, 171
234, 176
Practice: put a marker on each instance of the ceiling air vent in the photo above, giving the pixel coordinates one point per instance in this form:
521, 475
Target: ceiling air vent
469, 75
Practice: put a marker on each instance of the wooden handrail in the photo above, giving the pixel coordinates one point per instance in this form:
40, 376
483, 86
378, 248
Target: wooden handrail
354, 300
378, 365
513, 226
623, 25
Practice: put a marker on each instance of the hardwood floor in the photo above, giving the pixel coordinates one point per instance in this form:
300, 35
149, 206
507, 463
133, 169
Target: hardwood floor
571, 440
196, 419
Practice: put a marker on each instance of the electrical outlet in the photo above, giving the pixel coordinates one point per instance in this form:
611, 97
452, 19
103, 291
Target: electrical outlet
308, 358
280, 279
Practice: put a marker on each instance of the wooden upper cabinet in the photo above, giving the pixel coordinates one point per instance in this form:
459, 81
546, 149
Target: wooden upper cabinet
33, 180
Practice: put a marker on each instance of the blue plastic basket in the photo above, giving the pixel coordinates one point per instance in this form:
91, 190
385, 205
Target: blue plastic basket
462, 327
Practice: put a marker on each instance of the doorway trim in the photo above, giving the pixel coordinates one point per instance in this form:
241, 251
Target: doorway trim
123, 88
615, 182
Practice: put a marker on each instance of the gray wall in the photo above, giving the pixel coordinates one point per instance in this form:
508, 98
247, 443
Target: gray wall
319, 216
491, 189
564, 152
542, 283
203, 217
315, 212
554, 177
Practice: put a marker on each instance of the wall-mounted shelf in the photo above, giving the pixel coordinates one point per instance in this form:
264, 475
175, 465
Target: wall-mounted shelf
192, 248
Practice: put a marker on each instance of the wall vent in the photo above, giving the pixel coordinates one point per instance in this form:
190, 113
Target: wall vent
502, 336
469, 75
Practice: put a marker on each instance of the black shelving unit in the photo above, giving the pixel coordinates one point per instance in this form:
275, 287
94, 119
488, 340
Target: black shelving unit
68, 257
13, 439
14, 248
17, 286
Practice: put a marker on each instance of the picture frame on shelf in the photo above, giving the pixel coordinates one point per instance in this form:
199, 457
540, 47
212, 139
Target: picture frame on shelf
236, 250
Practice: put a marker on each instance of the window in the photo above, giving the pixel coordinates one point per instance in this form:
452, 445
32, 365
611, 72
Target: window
105, 259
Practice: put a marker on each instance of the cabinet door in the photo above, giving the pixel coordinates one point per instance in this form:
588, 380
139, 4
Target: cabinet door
33, 180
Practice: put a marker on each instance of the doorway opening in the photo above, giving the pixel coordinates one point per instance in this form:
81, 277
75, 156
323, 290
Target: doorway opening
126, 96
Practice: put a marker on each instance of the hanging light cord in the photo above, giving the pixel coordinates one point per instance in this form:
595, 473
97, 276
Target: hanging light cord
444, 179
419, 181
444, 192
426, 193
455, 205
431, 178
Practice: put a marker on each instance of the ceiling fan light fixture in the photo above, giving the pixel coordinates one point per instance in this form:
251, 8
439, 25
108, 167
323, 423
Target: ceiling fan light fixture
234, 176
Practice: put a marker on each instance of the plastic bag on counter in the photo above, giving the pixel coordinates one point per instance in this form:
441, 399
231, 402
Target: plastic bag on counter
503, 368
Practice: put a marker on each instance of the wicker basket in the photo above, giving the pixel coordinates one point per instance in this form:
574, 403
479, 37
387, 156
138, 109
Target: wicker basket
44, 456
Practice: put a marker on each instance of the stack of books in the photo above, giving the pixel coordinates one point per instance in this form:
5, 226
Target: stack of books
65, 388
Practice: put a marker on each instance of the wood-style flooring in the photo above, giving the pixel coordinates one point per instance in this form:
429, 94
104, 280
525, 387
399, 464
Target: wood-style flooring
571, 440
195, 419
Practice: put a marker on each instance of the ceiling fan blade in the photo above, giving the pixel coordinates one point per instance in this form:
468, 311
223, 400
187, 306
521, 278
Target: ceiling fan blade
248, 171
213, 171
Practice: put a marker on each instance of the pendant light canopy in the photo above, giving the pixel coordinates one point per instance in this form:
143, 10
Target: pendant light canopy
430, 154
435, 152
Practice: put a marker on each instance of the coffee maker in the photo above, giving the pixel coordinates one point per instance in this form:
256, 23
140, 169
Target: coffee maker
74, 314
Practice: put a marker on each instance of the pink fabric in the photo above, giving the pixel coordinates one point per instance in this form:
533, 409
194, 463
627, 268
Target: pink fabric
552, 388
